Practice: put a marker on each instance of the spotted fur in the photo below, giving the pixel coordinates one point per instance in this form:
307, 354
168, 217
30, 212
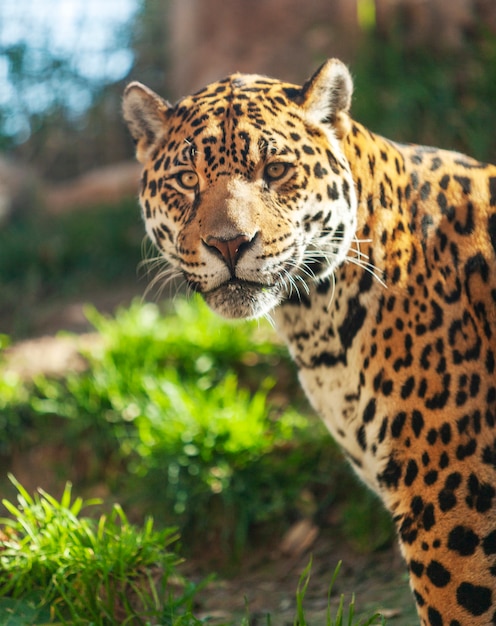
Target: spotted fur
377, 262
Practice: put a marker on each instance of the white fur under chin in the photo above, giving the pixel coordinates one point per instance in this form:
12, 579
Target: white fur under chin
239, 301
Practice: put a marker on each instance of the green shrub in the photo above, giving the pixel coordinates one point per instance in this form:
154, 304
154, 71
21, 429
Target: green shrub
186, 417
162, 405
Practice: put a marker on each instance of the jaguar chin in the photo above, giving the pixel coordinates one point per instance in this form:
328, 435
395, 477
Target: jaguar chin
238, 299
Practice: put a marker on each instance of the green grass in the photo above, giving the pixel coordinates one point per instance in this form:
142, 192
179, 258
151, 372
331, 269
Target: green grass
60, 567
342, 616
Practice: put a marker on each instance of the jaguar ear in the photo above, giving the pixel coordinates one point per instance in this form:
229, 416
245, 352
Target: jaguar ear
146, 115
326, 96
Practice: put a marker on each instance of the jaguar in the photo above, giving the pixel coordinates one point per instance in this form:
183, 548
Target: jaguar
376, 262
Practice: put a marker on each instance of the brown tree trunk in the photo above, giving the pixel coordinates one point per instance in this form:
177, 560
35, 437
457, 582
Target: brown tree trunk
284, 38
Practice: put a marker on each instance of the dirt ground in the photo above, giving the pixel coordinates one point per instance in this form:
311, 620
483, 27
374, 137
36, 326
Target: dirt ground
266, 580
266, 584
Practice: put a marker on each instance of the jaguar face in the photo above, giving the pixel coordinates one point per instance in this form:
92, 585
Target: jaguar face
245, 190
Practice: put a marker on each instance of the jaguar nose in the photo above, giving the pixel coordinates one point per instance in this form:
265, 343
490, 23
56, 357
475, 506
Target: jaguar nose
230, 250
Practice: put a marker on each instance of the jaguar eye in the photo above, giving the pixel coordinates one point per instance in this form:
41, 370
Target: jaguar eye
275, 171
188, 179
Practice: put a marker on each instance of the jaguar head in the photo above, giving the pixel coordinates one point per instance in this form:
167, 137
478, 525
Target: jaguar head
245, 189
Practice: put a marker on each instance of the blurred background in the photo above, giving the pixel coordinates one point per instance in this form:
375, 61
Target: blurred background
198, 422
424, 70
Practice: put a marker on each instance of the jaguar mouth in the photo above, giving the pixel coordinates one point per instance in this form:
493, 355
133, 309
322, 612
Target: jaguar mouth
238, 283
242, 299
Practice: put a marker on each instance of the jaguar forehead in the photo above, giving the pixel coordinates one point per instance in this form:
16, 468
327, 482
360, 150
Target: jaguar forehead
237, 96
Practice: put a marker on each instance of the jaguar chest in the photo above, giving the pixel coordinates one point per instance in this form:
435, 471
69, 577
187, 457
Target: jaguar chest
328, 336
